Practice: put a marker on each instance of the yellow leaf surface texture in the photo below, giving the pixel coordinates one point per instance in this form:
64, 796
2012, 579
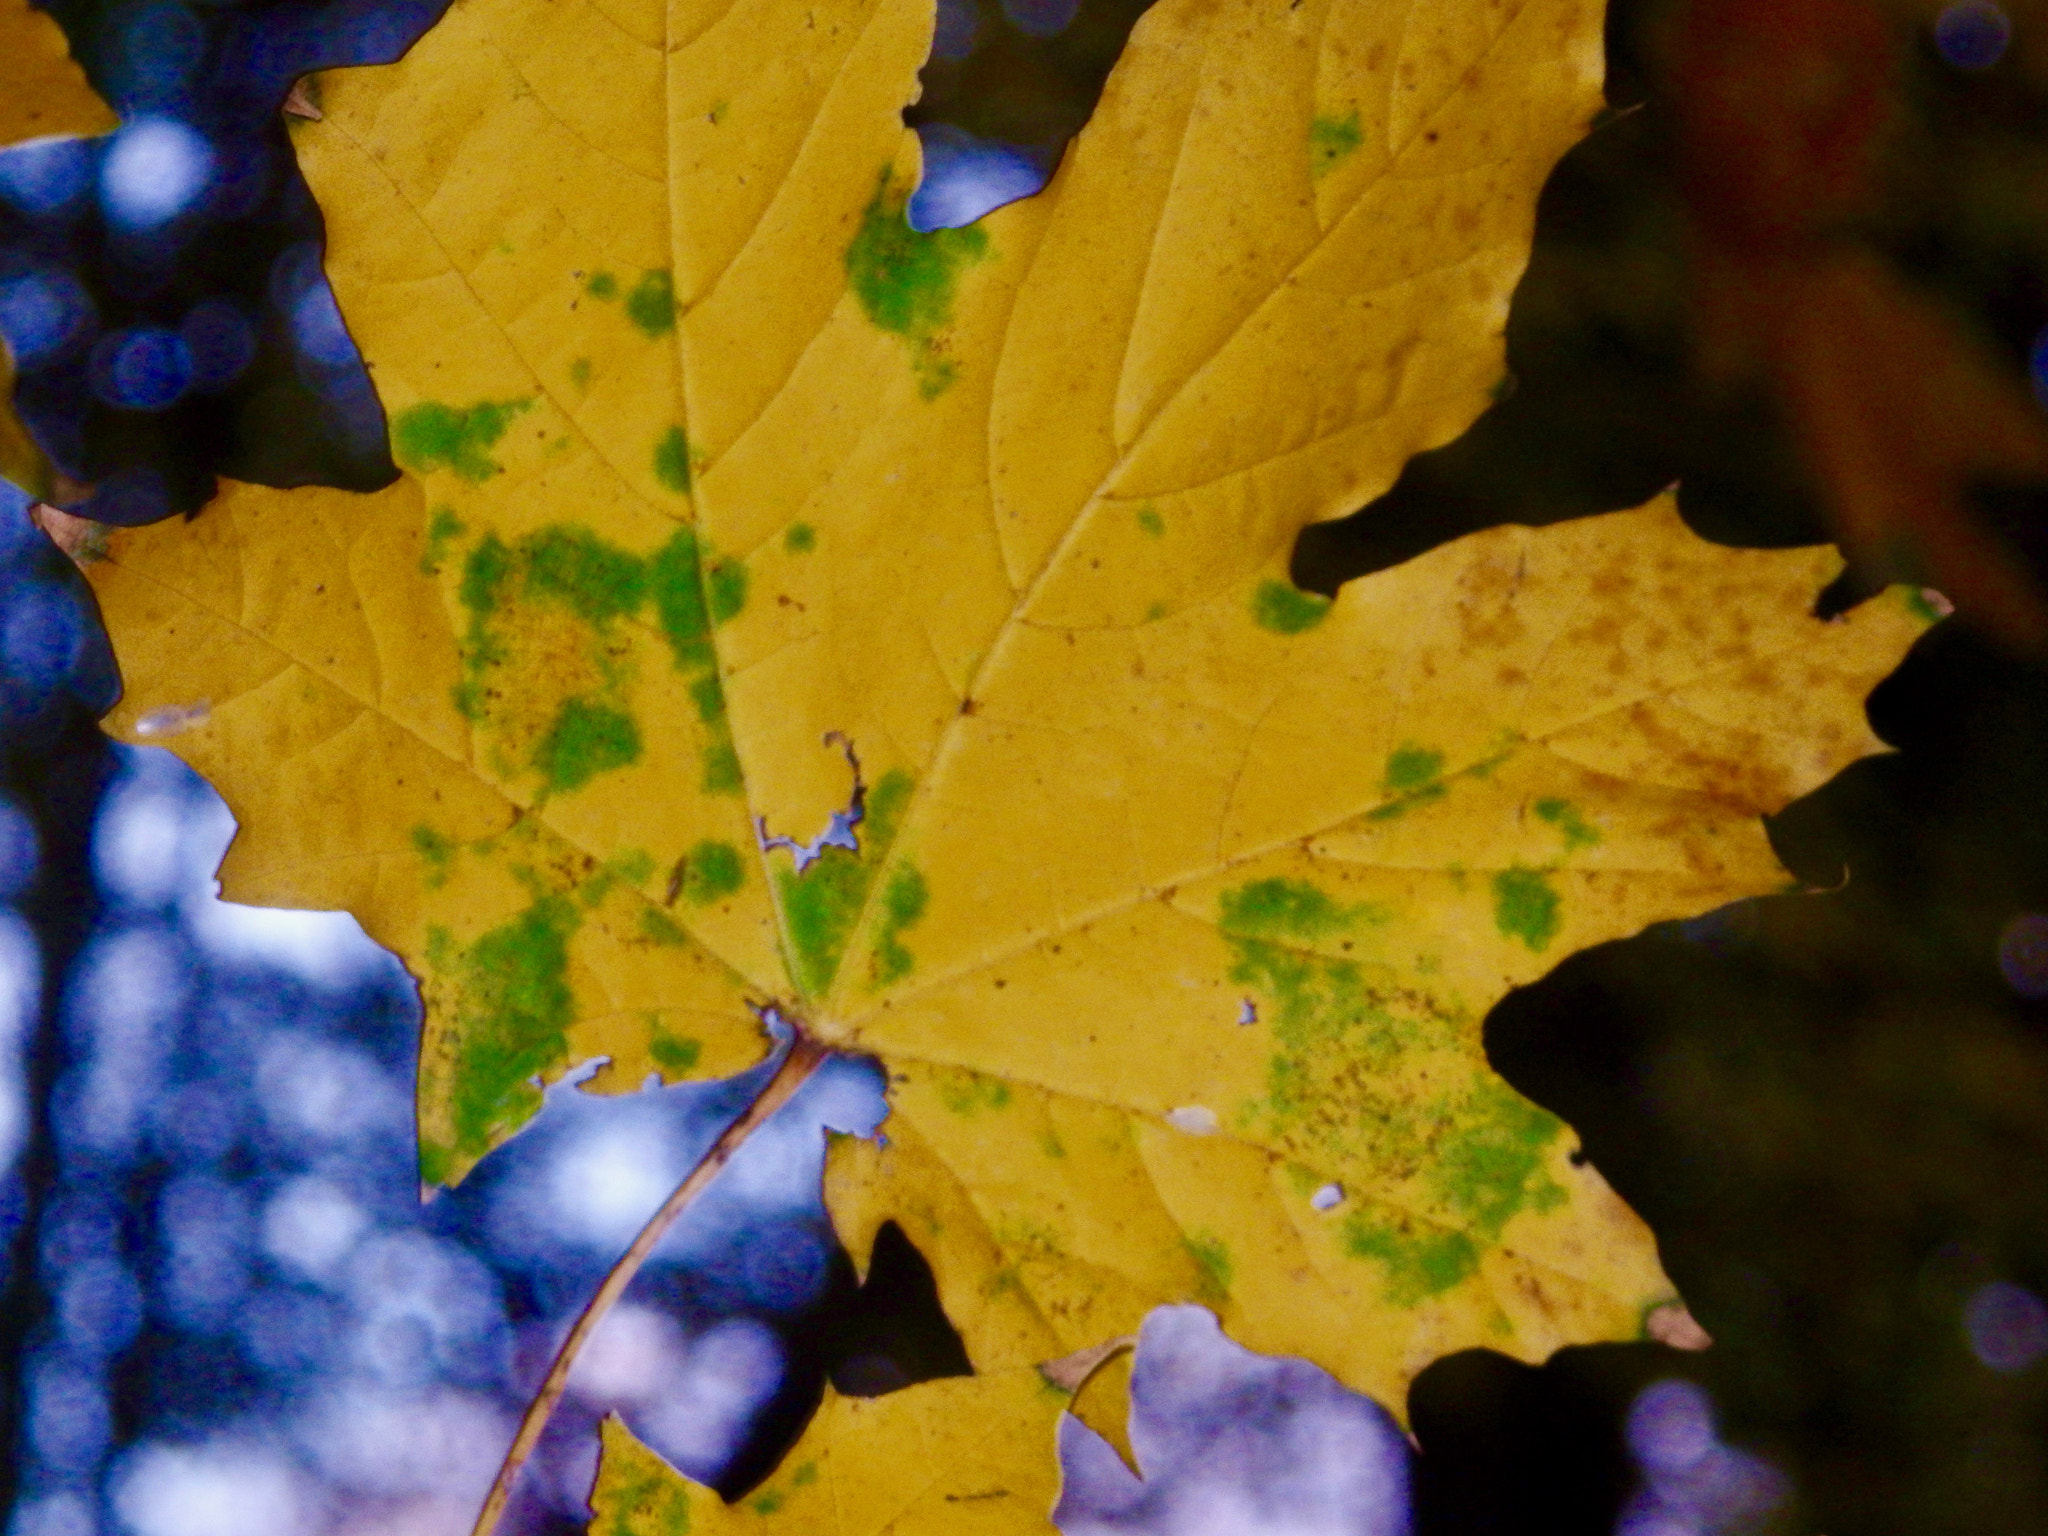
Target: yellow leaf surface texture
783, 605
42, 90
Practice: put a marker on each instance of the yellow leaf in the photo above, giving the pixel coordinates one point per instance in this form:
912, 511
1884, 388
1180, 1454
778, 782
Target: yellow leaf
42, 90
742, 524
42, 93
963, 1457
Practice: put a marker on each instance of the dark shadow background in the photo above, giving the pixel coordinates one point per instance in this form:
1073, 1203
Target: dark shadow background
1832, 1108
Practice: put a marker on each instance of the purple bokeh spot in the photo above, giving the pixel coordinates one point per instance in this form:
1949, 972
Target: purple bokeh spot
221, 341
955, 29
2023, 954
2007, 1325
141, 368
1973, 34
1041, 18
1692, 1483
1671, 1425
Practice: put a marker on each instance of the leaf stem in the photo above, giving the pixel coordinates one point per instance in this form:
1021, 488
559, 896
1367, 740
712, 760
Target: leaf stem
805, 1056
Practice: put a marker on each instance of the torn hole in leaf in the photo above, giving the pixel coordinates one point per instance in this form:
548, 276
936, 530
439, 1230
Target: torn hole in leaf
893, 1333
839, 831
1006, 85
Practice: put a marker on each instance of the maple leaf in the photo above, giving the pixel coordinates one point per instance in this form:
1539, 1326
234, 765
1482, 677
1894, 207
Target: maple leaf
784, 606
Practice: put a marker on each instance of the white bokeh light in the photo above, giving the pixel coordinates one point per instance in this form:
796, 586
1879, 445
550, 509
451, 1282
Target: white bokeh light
160, 833
327, 949
155, 170
222, 1488
310, 1226
704, 1410
633, 1353
605, 1184
372, 1440
124, 993
21, 988
318, 1093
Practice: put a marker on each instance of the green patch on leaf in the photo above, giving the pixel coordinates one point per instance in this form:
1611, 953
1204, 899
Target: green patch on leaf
442, 527
1150, 521
672, 461
678, 580
1287, 610
1213, 1269
903, 903
722, 774
513, 1009
587, 739
431, 436
1493, 1167
1920, 602
1288, 910
820, 906
1333, 140
1410, 768
800, 539
905, 280
658, 927
1350, 1033
573, 566
675, 1055
579, 374
1525, 907
1414, 776
1575, 829
651, 1501
651, 306
601, 285
437, 851
678, 587
484, 575
1418, 1260
437, 1164
726, 584
969, 1093
709, 697
712, 871
633, 866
